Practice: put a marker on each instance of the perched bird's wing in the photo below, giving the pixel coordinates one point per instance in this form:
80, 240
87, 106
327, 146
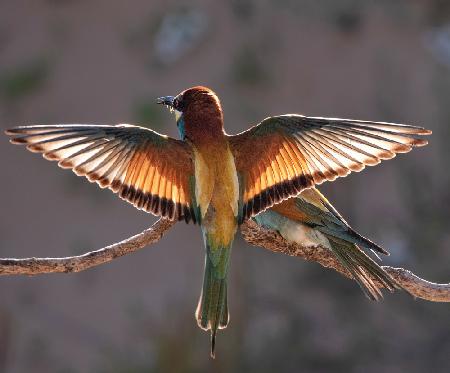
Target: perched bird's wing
285, 154
311, 208
147, 169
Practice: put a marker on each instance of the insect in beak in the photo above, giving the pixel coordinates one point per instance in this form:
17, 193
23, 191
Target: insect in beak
166, 101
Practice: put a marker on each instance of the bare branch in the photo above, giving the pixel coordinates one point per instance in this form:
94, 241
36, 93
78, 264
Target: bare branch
252, 232
35, 266
271, 240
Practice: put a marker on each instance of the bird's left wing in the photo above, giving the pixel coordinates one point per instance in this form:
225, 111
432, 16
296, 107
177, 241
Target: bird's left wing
286, 154
145, 168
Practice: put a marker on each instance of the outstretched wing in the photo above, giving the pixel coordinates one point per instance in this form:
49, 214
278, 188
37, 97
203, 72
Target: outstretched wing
145, 168
285, 154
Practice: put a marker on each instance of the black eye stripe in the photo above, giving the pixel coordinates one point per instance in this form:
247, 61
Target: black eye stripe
178, 104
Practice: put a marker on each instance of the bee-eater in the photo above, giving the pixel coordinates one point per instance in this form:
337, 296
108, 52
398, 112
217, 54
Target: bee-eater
310, 220
214, 179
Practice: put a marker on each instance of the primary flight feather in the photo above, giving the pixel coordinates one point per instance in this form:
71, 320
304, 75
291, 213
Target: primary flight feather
215, 179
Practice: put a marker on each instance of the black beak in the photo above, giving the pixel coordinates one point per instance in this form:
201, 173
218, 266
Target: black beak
165, 100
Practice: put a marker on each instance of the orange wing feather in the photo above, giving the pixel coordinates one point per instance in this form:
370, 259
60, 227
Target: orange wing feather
286, 154
147, 169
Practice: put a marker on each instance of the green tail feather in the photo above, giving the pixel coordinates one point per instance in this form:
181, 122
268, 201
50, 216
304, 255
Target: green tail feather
363, 269
212, 309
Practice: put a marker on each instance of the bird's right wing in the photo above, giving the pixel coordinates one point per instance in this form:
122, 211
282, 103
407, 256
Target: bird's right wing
147, 169
283, 155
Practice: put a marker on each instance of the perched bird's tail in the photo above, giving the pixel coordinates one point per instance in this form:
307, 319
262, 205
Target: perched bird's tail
363, 268
212, 310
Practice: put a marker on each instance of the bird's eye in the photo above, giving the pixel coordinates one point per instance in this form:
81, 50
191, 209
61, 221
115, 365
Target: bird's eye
177, 108
178, 103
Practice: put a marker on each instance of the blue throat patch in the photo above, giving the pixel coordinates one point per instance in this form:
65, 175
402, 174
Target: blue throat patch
180, 125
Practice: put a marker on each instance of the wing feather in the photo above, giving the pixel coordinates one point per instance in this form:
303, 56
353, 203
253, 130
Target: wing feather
147, 169
286, 154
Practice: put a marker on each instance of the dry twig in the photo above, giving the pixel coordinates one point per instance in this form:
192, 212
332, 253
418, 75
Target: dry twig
36, 266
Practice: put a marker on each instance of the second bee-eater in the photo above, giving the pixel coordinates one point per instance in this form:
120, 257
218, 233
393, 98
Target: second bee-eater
310, 220
215, 179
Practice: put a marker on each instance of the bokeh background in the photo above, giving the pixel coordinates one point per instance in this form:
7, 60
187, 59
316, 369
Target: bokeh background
64, 61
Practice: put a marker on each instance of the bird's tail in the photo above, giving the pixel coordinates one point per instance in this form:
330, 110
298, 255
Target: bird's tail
365, 242
366, 272
212, 310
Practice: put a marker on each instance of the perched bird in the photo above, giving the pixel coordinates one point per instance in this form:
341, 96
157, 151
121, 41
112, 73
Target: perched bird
310, 220
214, 179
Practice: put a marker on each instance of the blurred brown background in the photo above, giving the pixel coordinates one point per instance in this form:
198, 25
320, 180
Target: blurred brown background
64, 61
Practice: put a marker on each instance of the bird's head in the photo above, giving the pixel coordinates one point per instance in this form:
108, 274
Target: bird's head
197, 110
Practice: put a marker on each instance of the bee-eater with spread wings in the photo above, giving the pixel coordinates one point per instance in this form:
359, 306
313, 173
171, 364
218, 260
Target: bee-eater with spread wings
214, 179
